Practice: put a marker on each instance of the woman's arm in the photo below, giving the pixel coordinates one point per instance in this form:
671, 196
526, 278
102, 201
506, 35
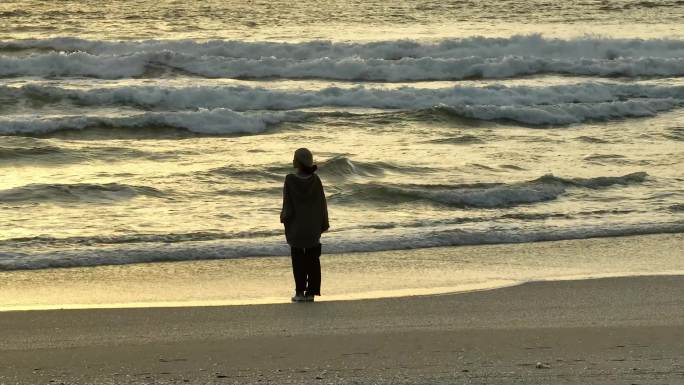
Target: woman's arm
287, 212
325, 225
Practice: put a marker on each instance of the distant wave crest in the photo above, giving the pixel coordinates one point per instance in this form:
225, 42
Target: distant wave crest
353, 68
224, 110
481, 195
81, 192
218, 121
242, 98
525, 45
393, 61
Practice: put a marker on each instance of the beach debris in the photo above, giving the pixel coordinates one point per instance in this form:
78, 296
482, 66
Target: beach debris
320, 375
541, 365
162, 359
465, 371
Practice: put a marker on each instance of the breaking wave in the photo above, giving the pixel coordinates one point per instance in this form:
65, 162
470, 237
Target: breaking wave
242, 98
221, 121
406, 60
341, 167
338, 169
218, 121
214, 108
77, 192
82, 64
481, 195
364, 240
564, 114
521, 45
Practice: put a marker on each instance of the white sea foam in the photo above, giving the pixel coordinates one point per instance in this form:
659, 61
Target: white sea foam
527, 45
566, 113
219, 121
74, 64
242, 98
341, 242
346, 68
552, 105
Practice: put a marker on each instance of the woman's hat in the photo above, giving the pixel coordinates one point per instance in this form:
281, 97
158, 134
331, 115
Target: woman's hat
304, 157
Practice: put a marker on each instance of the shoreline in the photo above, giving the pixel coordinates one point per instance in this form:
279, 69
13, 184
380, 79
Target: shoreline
353, 276
284, 301
607, 330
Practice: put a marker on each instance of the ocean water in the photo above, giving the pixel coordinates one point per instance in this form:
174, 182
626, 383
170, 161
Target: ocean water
141, 131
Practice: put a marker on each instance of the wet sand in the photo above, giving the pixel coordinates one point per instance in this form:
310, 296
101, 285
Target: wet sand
396, 273
600, 331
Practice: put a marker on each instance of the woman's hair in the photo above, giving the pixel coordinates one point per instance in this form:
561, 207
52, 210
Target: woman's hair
308, 170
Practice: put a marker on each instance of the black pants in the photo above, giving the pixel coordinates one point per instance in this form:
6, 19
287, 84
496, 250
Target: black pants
306, 266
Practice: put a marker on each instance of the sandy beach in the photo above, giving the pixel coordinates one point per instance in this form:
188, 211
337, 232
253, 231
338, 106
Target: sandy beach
602, 331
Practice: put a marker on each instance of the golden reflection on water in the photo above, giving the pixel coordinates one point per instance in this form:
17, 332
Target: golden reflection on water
334, 20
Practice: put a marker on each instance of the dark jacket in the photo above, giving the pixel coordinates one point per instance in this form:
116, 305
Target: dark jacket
305, 211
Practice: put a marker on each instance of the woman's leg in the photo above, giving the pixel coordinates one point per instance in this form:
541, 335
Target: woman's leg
313, 270
299, 268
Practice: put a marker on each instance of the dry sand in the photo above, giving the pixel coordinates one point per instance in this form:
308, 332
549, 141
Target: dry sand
602, 331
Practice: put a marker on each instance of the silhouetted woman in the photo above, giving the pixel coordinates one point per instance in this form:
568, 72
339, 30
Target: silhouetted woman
305, 215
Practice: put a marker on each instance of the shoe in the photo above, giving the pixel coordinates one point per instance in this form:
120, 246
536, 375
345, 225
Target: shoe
299, 297
309, 297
